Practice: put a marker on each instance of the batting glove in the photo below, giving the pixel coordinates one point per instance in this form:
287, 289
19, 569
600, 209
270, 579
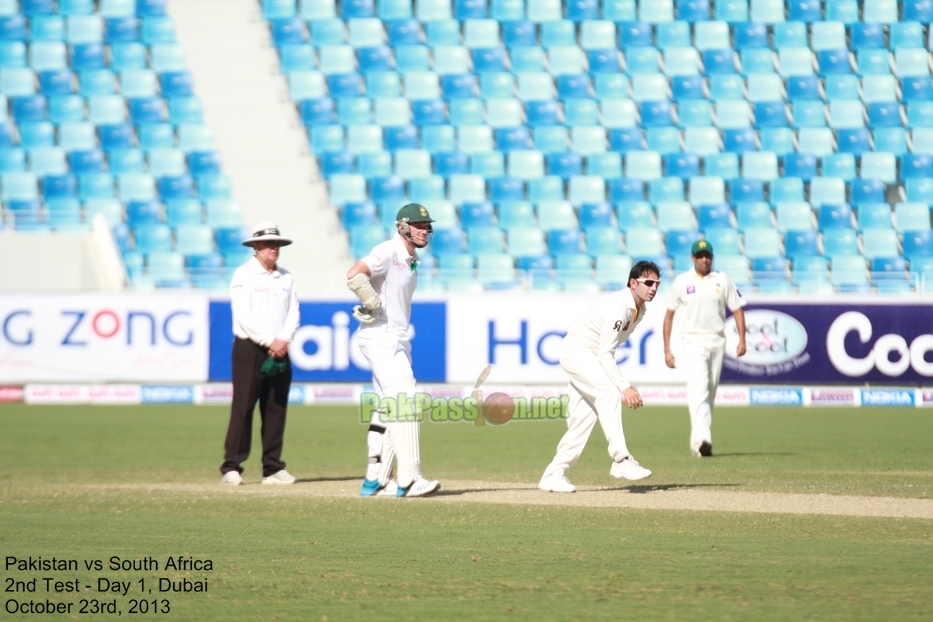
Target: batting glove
364, 315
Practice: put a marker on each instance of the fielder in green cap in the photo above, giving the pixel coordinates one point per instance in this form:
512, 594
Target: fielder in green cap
385, 281
700, 247
704, 295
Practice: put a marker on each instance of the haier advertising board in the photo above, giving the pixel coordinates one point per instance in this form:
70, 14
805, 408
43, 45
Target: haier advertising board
325, 347
520, 336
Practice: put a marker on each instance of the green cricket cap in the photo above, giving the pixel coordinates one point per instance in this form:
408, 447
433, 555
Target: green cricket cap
413, 212
701, 246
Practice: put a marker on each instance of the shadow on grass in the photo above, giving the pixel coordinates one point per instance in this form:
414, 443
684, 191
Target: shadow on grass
739, 454
456, 493
663, 487
633, 489
313, 480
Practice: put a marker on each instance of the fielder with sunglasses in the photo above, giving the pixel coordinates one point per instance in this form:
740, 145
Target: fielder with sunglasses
703, 294
597, 387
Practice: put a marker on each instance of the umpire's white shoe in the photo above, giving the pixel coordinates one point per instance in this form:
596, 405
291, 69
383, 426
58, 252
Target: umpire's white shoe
556, 483
282, 477
629, 469
232, 478
419, 488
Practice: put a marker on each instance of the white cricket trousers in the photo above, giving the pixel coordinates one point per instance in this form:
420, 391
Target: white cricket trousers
593, 396
389, 355
704, 354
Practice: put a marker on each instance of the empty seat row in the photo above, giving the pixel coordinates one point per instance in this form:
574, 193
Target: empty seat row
531, 86
480, 34
547, 12
88, 28
96, 80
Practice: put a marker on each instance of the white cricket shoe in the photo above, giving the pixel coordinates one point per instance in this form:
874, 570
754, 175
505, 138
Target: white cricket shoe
629, 469
556, 483
282, 477
419, 488
371, 488
233, 478
391, 489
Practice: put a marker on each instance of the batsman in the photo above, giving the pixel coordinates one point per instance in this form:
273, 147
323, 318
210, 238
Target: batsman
385, 281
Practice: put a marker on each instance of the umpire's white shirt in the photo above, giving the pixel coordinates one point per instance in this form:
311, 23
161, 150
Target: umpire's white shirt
394, 277
264, 305
603, 327
702, 301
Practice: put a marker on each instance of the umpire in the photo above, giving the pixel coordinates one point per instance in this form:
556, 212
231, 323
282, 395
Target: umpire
265, 318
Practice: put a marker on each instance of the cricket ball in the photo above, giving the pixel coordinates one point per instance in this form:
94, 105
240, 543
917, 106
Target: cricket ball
498, 408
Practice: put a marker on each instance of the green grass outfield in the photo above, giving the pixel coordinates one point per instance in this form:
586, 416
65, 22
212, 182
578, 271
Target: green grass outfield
91, 482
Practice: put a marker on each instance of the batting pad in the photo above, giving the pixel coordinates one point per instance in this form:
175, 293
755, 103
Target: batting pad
402, 443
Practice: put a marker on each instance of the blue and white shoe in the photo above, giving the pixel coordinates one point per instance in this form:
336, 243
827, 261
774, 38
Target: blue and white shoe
419, 488
371, 488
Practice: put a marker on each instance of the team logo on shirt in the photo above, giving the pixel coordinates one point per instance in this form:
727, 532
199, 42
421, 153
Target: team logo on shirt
618, 326
691, 289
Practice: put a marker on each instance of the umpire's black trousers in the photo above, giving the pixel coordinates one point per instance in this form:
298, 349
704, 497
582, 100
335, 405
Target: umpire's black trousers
250, 385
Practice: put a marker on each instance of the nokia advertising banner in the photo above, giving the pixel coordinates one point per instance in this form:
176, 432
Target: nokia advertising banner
325, 347
882, 344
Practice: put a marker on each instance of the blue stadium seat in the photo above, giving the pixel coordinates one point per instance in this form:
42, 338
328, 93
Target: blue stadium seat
602, 240
744, 190
595, 215
770, 114
694, 113
793, 216
799, 243
718, 215
739, 141
605, 165
723, 165
681, 165
752, 215
686, 87
874, 216
505, 189
674, 215
665, 189
801, 165
525, 242
479, 214
625, 140
634, 215
655, 114
626, 190
840, 165
837, 216
911, 217
561, 242
806, 88
918, 243
724, 87
707, 190
484, 240
644, 243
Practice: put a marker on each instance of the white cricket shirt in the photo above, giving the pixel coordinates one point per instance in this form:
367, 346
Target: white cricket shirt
394, 276
702, 301
603, 327
264, 305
